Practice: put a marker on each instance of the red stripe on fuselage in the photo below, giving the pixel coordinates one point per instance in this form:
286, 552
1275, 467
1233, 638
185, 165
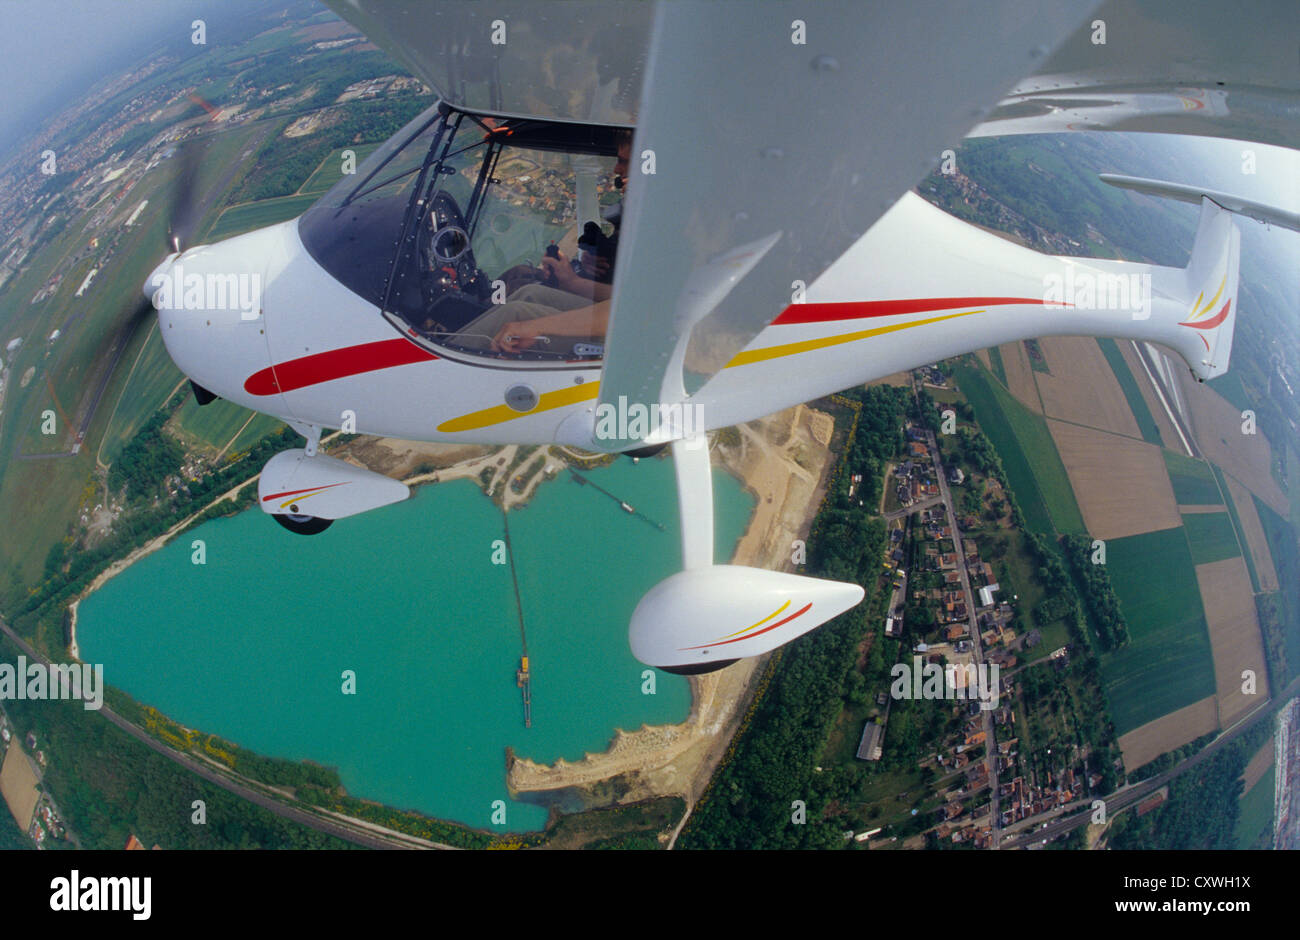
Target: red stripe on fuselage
859, 310
384, 354
335, 364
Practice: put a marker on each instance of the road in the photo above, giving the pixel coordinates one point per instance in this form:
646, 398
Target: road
977, 646
356, 832
914, 507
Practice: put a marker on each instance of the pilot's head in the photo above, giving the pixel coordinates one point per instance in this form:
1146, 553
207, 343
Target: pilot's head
624, 156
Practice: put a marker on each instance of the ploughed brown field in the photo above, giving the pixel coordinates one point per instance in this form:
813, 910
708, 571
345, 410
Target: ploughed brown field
1217, 424
1082, 388
1167, 732
1234, 635
1120, 483
1020, 375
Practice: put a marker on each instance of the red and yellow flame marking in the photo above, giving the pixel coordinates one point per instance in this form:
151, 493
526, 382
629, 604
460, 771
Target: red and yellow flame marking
297, 496
1199, 311
746, 633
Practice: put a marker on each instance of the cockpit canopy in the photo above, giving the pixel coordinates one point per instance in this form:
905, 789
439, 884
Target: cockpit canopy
445, 225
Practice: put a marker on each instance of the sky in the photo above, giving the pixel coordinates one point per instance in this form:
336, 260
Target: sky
55, 49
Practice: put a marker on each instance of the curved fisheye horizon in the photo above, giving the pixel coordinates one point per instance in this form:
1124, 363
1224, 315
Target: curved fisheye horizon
650, 426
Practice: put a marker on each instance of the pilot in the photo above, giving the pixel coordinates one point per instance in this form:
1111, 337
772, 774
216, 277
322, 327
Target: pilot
575, 310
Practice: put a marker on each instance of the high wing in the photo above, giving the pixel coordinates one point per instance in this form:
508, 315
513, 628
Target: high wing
580, 61
771, 136
762, 160
1170, 67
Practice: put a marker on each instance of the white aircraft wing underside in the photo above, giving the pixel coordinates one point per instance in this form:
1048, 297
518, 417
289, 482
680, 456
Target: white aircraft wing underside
1171, 67
758, 161
579, 61
771, 135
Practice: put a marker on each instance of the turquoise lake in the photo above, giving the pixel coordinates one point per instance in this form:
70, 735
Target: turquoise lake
252, 645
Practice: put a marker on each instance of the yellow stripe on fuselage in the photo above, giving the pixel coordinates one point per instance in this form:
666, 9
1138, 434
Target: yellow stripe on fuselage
499, 414
1196, 315
807, 345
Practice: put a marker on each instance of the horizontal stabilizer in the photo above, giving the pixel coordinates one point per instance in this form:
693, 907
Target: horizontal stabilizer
1194, 194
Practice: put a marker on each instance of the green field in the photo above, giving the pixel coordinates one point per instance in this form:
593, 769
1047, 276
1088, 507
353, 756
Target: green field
330, 170
1211, 535
258, 428
999, 369
1194, 483
39, 499
209, 427
151, 376
252, 215
1282, 545
1029, 456
1256, 806
1136, 403
1167, 663
1236, 527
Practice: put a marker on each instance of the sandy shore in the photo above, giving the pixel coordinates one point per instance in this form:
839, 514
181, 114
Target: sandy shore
781, 460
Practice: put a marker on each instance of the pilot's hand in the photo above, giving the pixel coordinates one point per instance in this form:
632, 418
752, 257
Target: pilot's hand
516, 337
593, 265
560, 271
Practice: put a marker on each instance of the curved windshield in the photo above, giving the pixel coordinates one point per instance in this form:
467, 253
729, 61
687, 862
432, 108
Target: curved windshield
495, 238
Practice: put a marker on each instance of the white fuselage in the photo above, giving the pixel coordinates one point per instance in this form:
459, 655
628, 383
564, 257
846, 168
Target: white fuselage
918, 287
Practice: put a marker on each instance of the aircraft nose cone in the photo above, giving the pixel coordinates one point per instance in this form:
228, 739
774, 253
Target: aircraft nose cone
157, 277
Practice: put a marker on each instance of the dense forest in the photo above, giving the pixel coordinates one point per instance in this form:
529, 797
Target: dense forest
1098, 595
147, 461
1203, 804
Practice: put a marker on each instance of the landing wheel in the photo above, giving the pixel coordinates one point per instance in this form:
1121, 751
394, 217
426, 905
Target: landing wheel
698, 669
302, 525
650, 450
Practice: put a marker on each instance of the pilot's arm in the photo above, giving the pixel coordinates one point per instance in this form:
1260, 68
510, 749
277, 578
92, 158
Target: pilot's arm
519, 335
568, 279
